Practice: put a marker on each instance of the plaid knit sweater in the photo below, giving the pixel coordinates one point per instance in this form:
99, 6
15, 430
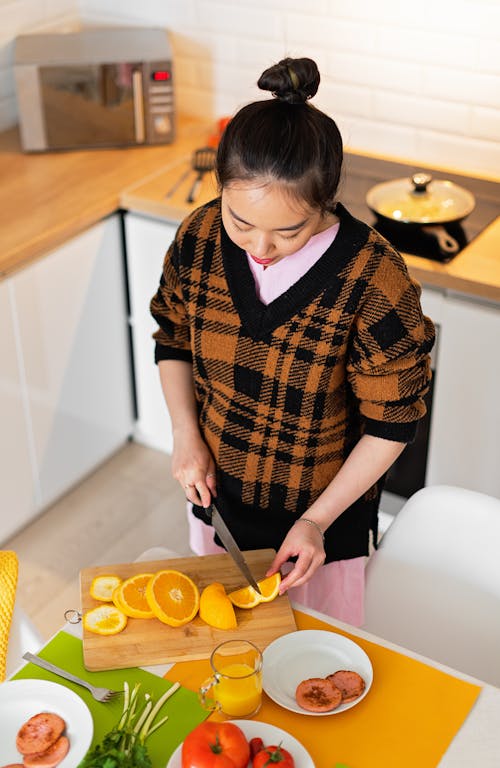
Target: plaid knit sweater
285, 391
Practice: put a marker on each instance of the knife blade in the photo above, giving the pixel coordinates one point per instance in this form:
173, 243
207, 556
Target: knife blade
227, 539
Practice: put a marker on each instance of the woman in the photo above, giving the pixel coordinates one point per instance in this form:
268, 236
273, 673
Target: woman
292, 349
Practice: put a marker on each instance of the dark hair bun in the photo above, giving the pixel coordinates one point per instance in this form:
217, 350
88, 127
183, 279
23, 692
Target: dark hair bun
291, 80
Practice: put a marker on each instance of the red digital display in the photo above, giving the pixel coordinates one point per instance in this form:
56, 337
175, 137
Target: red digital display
160, 75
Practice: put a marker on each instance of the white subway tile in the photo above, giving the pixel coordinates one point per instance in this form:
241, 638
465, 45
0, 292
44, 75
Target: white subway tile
336, 98
485, 123
339, 34
489, 54
462, 86
19, 17
158, 13
379, 138
318, 6
441, 48
233, 18
374, 72
467, 155
421, 112
392, 12
260, 54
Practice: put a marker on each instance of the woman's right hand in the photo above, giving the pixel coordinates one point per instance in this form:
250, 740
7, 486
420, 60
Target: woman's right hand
193, 466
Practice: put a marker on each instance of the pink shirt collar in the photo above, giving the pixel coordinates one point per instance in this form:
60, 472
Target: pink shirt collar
272, 281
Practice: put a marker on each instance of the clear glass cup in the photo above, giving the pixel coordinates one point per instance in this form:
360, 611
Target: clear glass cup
235, 686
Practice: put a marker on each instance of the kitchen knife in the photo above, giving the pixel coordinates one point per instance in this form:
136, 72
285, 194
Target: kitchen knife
230, 544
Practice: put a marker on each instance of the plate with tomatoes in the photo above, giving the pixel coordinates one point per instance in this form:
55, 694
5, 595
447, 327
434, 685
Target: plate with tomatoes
264, 739
311, 655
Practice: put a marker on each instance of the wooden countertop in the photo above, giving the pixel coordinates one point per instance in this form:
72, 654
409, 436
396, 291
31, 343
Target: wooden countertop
47, 198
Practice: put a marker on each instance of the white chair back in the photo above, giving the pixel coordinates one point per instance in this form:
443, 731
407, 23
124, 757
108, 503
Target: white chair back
433, 586
23, 636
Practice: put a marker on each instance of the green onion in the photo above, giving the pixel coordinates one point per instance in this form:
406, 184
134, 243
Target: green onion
124, 746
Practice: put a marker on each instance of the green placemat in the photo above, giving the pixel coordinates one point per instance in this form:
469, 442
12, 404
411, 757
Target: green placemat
183, 708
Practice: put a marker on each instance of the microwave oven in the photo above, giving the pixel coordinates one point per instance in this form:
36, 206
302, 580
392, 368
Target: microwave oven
98, 87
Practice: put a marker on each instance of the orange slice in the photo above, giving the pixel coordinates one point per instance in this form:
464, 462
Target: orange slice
216, 608
173, 597
248, 597
102, 587
105, 620
117, 600
131, 597
269, 588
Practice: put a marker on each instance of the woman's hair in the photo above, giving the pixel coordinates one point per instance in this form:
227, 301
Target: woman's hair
285, 139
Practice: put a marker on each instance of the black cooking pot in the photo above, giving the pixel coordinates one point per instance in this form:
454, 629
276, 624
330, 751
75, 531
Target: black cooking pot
424, 204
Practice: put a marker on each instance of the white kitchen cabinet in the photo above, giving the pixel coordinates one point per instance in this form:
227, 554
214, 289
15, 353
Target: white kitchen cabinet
70, 308
464, 446
18, 487
147, 242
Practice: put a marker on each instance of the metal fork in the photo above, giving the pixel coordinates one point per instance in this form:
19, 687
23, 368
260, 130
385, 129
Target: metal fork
100, 694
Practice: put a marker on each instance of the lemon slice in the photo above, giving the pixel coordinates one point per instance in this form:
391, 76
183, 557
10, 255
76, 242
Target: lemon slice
104, 620
102, 587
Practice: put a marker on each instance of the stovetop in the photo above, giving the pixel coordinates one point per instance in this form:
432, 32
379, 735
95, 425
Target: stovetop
361, 173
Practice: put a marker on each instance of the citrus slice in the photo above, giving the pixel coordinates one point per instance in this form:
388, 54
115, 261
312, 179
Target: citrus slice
247, 597
216, 608
131, 596
269, 588
173, 597
102, 587
105, 620
117, 600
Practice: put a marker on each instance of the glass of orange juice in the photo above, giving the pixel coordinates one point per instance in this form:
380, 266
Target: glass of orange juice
235, 687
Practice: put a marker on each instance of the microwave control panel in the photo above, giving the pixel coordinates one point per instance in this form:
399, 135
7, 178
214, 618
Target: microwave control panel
158, 102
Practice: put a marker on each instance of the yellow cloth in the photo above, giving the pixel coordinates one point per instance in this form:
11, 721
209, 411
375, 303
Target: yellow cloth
8, 583
409, 717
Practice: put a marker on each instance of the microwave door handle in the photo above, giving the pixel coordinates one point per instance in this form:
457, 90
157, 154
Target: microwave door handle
138, 106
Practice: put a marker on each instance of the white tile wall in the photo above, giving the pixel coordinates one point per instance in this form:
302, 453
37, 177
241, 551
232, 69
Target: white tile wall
418, 81
19, 17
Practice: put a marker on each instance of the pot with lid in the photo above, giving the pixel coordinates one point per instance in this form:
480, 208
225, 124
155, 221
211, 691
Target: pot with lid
425, 204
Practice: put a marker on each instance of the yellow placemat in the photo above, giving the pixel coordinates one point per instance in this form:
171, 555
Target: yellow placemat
408, 718
8, 584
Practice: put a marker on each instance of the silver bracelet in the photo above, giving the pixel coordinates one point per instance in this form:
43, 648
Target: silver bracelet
313, 523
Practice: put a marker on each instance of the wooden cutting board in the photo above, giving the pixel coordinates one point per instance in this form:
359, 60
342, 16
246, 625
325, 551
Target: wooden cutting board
149, 641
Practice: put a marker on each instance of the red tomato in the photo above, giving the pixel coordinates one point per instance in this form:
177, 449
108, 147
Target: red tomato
215, 745
273, 755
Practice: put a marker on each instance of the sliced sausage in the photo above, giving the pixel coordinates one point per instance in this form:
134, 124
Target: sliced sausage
39, 733
51, 757
317, 694
350, 683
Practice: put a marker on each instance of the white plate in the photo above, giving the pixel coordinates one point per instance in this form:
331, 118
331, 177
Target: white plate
21, 699
269, 734
311, 653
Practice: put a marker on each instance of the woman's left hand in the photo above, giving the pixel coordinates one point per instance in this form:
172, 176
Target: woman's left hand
305, 542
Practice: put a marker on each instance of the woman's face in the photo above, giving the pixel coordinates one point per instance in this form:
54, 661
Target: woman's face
262, 218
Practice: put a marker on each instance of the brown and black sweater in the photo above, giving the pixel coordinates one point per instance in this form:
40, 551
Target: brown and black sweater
285, 391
